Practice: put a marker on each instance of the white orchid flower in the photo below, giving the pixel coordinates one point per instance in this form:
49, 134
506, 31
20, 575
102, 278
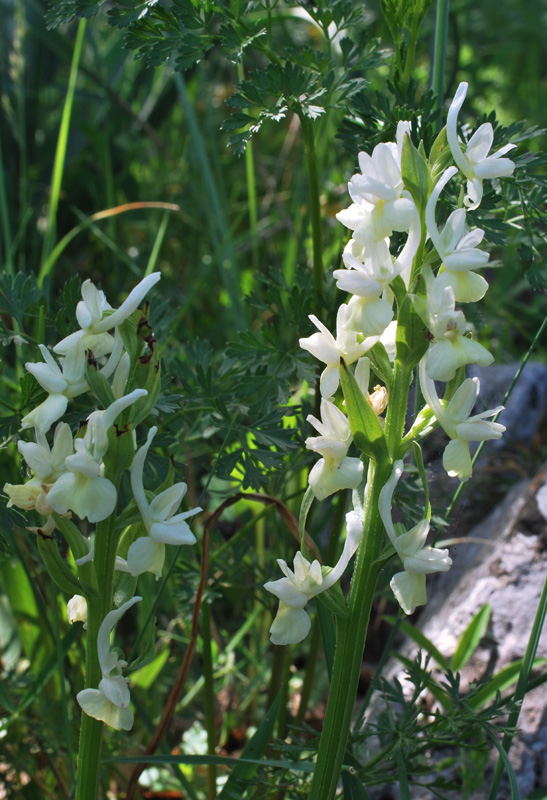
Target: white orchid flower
418, 560
329, 350
82, 488
475, 163
47, 464
147, 554
61, 383
380, 203
450, 349
292, 622
454, 417
96, 316
110, 703
457, 249
336, 470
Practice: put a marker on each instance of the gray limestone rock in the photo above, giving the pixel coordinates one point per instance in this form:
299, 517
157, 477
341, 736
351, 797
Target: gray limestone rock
503, 562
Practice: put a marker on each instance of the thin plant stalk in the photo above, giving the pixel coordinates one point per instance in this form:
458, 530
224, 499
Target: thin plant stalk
60, 152
315, 206
439, 55
209, 696
5, 220
158, 241
251, 186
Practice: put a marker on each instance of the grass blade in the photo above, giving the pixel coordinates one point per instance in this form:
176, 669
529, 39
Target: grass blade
60, 152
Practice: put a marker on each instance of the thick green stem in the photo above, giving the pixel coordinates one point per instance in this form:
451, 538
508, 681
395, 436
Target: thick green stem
91, 730
315, 206
89, 754
350, 644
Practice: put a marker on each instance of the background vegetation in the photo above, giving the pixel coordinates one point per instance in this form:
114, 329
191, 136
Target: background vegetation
114, 162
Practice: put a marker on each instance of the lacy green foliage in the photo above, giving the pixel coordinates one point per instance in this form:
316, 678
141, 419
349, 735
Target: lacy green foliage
298, 78
240, 397
443, 747
307, 84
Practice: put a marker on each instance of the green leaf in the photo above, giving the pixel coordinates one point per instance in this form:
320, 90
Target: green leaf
147, 648
255, 748
415, 174
99, 384
366, 429
333, 599
59, 569
147, 675
471, 637
500, 681
381, 364
304, 511
297, 766
77, 543
411, 339
440, 156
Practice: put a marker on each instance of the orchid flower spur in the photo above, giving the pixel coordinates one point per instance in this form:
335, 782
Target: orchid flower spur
418, 560
380, 204
475, 163
292, 622
450, 349
457, 249
82, 488
454, 418
329, 350
163, 526
110, 703
96, 316
336, 470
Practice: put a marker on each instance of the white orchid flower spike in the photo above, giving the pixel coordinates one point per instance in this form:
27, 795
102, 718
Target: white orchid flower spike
336, 470
457, 249
475, 163
418, 560
292, 622
454, 417
163, 526
96, 316
110, 703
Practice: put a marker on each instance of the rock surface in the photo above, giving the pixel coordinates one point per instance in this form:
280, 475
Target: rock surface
503, 562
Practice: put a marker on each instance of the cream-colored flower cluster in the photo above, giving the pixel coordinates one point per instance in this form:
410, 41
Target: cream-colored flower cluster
77, 474
383, 203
